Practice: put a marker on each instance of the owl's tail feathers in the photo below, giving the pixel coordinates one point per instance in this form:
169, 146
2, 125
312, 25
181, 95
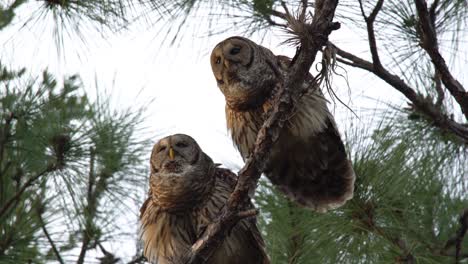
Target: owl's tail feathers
326, 192
344, 191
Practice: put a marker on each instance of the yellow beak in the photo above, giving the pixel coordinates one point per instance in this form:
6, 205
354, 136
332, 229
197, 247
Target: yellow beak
171, 153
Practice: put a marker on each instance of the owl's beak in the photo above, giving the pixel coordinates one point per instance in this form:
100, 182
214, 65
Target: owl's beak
171, 153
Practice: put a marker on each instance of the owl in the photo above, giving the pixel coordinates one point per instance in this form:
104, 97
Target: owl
308, 163
187, 192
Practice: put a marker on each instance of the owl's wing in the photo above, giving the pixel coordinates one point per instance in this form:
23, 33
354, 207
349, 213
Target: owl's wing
245, 239
315, 172
165, 236
145, 204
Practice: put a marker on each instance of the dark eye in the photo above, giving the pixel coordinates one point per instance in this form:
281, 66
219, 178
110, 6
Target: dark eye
235, 50
181, 144
162, 148
218, 60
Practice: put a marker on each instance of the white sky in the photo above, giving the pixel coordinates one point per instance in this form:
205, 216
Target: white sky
134, 68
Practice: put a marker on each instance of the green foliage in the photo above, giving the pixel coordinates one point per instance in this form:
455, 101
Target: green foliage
79, 163
404, 206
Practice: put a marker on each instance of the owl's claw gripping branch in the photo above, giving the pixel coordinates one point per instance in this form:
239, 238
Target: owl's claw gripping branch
311, 41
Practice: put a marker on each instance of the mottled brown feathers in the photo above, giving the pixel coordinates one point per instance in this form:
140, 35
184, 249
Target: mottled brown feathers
309, 162
169, 229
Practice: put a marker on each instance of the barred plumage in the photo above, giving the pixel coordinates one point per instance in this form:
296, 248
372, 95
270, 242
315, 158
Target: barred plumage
309, 162
187, 191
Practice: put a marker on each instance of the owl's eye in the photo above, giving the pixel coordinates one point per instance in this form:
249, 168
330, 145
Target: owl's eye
181, 144
218, 60
235, 50
162, 148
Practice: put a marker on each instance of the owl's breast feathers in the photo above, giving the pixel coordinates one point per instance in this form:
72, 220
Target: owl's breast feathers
308, 163
166, 235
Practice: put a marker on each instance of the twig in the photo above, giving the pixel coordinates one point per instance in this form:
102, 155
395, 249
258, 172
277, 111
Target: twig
371, 33
4, 135
30, 182
108, 257
286, 97
432, 12
461, 234
458, 238
429, 43
51, 242
366, 216
296, 239
137, 260
89, 208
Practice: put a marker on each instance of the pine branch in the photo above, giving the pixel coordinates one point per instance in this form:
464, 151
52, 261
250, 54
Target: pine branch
140, 259
458, 238
367, 218
29, 183
90, 208
5, 135
296, 239
371, 33
439, 90
428, 38
461, 234
289, 92
108, 257
49, 238
435, 114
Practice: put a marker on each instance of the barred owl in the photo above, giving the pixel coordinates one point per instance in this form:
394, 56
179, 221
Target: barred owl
308, 163
187, 191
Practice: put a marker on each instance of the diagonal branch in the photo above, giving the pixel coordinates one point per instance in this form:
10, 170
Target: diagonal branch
429, 43
440, 119
49, 238
27, 184
288, 94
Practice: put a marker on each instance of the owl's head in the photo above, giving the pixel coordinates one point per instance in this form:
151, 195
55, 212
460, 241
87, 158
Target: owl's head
181, 173
243, 71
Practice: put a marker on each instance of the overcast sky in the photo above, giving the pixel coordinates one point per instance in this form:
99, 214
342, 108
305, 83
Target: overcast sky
134, 69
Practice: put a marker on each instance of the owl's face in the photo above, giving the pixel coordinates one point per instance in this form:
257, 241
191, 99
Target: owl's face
181, 173
173, 154
243, 72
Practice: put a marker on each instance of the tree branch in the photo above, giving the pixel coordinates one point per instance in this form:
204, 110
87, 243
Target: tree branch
30, 182
46, 233
5, 134
288, 94
440, 119
461, 234
89, 209
140, 259
371, 33
439, 90
458, 238
429, 43
365, 215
